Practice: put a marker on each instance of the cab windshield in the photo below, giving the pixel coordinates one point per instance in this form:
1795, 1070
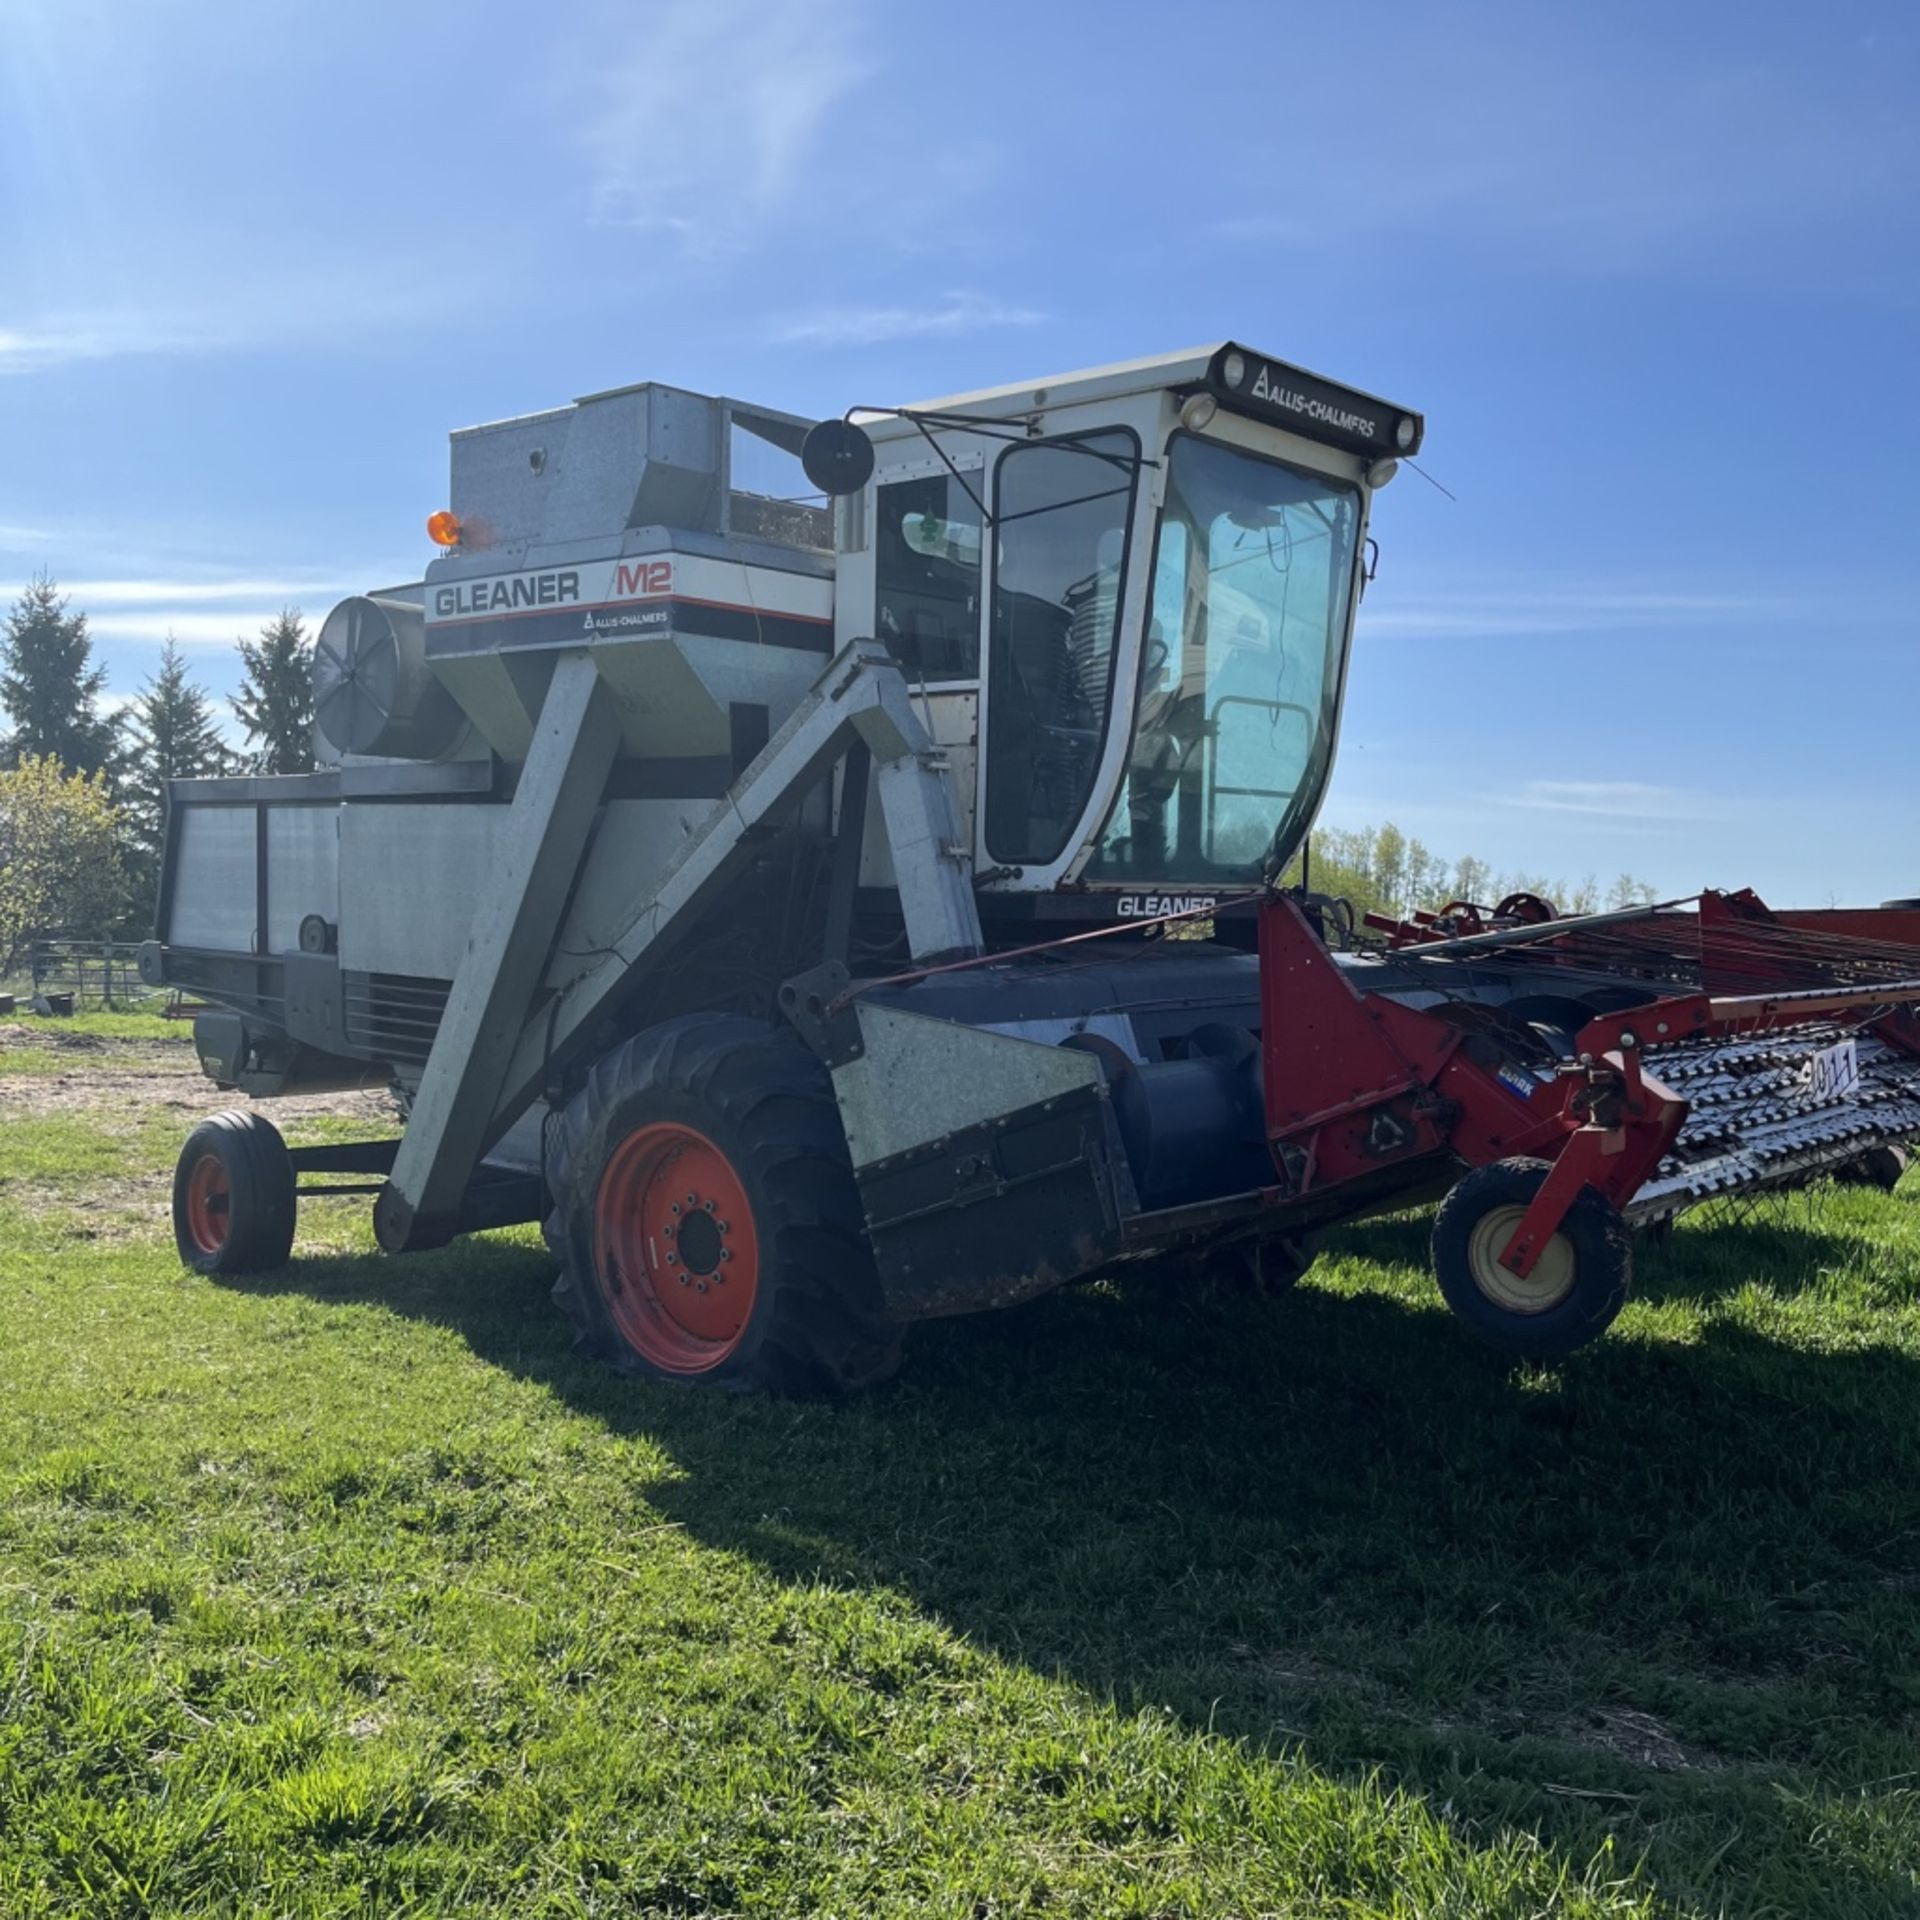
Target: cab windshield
1234, 721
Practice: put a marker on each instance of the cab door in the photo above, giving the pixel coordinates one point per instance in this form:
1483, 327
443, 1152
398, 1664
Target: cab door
1062, 582
928, 606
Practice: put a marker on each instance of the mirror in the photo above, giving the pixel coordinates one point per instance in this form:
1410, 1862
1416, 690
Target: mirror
837, 456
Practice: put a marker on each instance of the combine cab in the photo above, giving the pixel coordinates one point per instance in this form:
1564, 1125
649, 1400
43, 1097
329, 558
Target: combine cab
777, 901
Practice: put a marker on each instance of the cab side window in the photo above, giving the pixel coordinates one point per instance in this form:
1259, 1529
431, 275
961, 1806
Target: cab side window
927, 571
1061, 512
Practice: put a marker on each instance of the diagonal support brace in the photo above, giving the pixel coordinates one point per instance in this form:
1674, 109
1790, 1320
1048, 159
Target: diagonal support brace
861, 697
541, 846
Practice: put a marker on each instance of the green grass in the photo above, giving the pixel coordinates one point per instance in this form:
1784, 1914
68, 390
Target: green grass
353, 1591
147, 1022
40, 1046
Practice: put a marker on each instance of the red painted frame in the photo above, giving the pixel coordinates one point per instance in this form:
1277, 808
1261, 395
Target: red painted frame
1356, 1082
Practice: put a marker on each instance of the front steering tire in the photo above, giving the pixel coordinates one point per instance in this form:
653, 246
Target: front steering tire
706, 1213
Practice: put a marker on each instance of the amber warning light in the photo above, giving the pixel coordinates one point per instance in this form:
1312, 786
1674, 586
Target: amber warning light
443, 528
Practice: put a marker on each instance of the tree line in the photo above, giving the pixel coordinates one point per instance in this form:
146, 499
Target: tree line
1381, 870
83, 789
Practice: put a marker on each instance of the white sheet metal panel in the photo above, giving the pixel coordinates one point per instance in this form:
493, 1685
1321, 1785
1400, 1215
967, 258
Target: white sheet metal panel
213, 885
636, 842
411, 874
952, 716
303, 871
921, 1079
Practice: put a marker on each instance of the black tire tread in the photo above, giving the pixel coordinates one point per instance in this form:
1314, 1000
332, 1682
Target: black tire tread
1603, 1252
264, 1205
820, 1328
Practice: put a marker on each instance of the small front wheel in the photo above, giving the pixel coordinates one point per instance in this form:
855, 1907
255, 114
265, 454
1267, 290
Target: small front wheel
234, 1202
1259, 1269
1883, 1167
1577, 1286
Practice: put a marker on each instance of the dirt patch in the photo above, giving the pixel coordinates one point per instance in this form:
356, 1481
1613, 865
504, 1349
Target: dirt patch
51, 1037
131, 1088
123, 1098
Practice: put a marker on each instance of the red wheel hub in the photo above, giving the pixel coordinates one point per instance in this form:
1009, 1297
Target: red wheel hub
675, 1252
209, 1203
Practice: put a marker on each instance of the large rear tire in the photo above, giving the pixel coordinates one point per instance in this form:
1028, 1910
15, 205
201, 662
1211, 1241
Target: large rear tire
234, 1199
705, 1209
1576, 1289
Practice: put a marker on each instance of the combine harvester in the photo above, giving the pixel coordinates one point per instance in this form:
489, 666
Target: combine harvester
776, 900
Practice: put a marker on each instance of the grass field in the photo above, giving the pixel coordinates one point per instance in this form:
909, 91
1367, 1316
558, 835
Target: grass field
352, 1591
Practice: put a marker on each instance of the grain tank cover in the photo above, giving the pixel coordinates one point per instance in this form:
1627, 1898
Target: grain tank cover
614, 525
610, 464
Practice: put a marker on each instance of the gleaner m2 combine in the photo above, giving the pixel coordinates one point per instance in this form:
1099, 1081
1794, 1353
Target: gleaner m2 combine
774, 899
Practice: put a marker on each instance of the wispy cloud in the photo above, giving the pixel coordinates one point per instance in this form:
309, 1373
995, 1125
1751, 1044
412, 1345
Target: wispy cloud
705, 129
952, 314
1613, 800
267, 303
202, 611
194, 629
60, 341
1561, 610
148, 593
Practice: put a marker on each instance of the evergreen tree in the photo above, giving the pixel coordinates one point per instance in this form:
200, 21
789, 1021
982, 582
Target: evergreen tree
49, 686
171, 734
276, 703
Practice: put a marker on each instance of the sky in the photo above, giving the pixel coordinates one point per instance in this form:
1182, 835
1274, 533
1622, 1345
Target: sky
1650, 271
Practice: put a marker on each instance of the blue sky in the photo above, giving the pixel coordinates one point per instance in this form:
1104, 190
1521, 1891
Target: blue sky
1651, 271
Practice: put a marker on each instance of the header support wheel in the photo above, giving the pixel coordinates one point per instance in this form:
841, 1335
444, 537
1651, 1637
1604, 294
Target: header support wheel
234, 1204
1579, 1279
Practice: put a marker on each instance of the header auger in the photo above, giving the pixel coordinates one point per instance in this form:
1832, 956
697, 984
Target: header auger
772, 898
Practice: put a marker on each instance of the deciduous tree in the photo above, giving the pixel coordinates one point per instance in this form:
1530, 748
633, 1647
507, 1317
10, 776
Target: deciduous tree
60, 858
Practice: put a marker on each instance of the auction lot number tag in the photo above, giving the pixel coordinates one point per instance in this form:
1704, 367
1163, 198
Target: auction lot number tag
1834, 1072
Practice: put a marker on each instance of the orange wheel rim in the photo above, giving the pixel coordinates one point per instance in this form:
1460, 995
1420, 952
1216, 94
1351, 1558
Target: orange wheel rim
209, 1203
675, 1252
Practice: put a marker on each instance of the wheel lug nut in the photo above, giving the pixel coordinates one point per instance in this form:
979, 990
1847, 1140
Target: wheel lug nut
726, 1253
701, 1286
709, 1206
676, 1206
673, 1259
